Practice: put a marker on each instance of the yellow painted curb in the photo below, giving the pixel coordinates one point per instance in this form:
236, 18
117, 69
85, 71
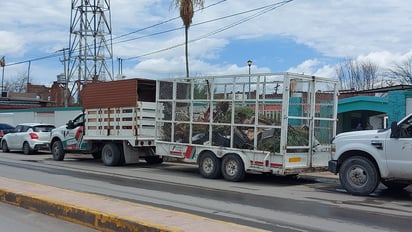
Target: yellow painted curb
83, 216
21, 196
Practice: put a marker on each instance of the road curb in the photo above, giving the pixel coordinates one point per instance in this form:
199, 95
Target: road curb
83, 216
106, 213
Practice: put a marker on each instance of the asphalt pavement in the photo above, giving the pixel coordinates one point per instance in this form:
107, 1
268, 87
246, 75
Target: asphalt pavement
109, 214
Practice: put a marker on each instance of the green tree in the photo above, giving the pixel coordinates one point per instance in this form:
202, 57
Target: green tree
186, 8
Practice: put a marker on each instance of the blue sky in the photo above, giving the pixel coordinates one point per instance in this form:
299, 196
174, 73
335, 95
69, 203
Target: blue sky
304, 36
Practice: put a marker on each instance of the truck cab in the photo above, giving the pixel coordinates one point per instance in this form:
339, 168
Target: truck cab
366, 158
69, 138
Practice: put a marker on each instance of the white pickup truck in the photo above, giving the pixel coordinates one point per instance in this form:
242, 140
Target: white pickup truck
365, 158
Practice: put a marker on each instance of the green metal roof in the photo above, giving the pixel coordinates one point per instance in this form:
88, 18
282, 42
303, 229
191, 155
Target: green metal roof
363, 103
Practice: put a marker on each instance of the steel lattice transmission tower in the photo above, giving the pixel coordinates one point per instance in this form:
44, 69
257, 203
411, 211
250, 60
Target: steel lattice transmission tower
90, 45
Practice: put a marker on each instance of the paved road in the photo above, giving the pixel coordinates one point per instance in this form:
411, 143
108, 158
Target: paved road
265, 202
18, 220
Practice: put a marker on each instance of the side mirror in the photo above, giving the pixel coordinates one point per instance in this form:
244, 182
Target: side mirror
70, 124
395, 130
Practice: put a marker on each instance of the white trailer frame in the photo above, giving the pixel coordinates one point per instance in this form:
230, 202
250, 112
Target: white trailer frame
300, 100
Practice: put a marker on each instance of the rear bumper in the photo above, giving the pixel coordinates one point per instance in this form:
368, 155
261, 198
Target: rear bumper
42, 146
333, 166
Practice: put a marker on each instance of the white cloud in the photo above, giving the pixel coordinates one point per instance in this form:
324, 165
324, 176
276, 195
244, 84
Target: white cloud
378, 30
306, 67
348, 28
11, 43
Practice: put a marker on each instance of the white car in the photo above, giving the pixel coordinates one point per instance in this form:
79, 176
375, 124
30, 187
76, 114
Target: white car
28, 137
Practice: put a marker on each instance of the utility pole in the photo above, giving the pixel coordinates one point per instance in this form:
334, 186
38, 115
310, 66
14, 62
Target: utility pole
249, 63
66, 93
2, 64
28, 72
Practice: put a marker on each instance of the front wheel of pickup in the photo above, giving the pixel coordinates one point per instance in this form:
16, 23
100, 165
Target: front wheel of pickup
359, 176
57, 151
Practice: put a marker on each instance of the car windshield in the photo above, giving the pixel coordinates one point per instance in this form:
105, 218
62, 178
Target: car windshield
43, 128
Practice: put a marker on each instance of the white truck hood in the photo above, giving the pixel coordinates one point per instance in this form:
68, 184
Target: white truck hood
363, 134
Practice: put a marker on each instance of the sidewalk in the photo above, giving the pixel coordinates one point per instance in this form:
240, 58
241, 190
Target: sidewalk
104, 213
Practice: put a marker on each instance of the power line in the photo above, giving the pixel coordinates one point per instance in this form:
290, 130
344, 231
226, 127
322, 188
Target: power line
195, 24
264, 11
36, 59
164, 22
118, 37
261, 10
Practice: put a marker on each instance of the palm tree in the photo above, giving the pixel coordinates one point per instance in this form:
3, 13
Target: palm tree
186, 8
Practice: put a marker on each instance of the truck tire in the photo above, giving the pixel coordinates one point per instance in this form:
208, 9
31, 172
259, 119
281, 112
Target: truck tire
26, 149
359, 176
111, 154
4, 146
233, 168
209, 165
393, 185
57, 151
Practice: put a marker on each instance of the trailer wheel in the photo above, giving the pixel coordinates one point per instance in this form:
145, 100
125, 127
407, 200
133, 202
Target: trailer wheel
111, 154
57, 150
359, 176
4, 146
233, 168
209, 165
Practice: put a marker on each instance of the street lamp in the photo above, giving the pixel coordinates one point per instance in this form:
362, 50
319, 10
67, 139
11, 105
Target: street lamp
249, 63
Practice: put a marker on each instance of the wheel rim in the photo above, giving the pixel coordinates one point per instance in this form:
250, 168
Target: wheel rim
56, 150
208, 165
108, 156
357, 176
231, 167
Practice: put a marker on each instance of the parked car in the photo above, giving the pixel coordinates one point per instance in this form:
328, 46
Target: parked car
5, 128
28, 137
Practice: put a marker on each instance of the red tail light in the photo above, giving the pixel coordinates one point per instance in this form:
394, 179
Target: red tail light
1, 133
33, 136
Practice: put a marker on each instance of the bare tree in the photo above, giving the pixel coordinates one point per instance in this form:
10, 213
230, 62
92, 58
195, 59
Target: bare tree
356, 75
403, 71
186, 8
18, 84
370, 73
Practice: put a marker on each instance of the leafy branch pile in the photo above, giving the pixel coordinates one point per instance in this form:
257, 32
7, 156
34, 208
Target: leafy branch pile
267, 139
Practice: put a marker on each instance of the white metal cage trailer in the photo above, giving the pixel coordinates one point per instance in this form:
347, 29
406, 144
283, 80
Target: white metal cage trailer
277, 123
